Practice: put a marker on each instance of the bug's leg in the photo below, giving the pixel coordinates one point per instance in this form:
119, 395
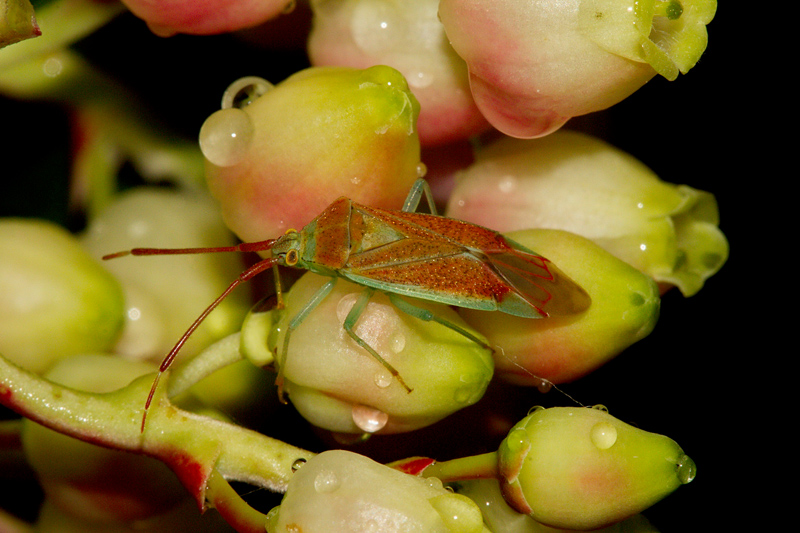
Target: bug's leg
294, 323
419, 188
350, 322
428, 316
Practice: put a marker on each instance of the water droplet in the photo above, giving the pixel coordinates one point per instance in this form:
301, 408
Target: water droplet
326, 482
507, 184
244, 92
600, 407
419, 79
298, 464
422, 169
434, 483
369, 419
516, 440
226, 136
603, 435
686, 469
458, 512
382, 379
534, 409
397, 342
469, 388
544, 385
344, 305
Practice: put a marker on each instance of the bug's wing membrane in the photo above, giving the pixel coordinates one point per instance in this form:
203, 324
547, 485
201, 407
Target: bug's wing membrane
539, 283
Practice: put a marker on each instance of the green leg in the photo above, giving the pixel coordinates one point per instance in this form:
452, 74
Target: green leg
350, 322
415, 195
295, 322
428, 316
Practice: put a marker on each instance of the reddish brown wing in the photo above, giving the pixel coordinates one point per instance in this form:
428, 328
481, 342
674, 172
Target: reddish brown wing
456, 263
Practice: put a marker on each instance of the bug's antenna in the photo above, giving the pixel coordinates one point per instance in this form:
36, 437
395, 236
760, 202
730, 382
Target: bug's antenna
545, 384
248, 274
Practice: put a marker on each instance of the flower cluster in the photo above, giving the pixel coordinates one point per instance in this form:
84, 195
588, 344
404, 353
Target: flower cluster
552, 256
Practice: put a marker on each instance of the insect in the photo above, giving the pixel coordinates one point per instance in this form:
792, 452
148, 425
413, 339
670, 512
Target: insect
401, 253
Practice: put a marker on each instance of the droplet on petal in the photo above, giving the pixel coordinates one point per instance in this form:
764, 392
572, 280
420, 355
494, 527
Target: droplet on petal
686, 469
226, 136
369, 419
603, 435
244, 91
326, 481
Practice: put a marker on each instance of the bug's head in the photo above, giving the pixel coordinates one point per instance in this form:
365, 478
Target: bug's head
288, 248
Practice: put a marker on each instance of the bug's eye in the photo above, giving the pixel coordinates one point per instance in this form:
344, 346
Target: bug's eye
292, 257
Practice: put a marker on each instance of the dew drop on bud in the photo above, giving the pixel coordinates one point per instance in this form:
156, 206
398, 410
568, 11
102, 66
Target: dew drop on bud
686, 469
244, 92
600, 407
603, 435
382, 379
534, 409
422, 169
369, 419
326, 482
225, 137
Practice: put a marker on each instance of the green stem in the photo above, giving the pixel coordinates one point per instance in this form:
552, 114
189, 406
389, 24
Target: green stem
192, 445
482, 466
222, 353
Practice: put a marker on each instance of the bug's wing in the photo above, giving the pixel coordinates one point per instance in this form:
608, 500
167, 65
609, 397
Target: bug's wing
505, 279
538, 283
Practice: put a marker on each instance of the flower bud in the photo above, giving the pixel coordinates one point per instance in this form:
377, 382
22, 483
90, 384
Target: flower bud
580, 184
325, 132
337, 385
581, 468
407, 36
535, 64
90, 482
56, 300
499, 516
625, 307
343, 491
165, 294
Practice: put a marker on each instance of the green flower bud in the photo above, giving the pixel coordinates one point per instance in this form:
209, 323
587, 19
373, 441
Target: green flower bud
165, 294
279, 159
581, 468
343, 491
56, 300
337, 385
580, 184
625, 308
500, 517
90, 482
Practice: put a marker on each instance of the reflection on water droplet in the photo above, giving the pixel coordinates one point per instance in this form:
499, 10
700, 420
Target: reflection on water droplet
298, 464
603, 435
244, 92
369, 419
326, 482
226, 136
422, 169
355, 180
382, 379
686, 469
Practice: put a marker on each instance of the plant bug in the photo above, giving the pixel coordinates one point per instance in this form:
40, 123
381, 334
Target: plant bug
402, 253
